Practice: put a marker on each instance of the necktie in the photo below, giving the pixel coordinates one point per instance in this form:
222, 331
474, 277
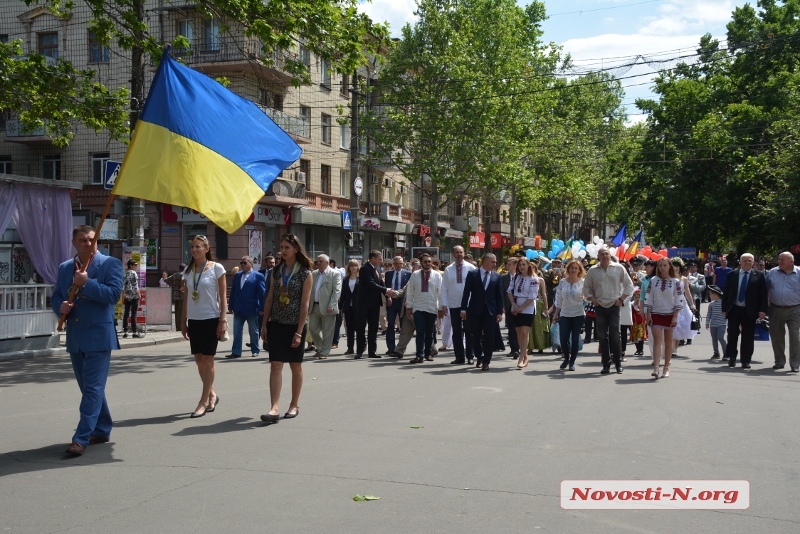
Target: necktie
743, 287
396, 280
485, 279
458, 274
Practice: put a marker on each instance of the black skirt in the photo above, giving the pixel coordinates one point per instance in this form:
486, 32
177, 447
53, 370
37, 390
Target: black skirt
280, 337
523, 319
203, 336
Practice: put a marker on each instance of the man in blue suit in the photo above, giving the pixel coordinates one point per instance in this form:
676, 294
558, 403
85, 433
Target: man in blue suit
482, 307
246, 302
395, 280
90, 332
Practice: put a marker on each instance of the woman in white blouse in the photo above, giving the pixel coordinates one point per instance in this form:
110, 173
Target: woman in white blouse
663, 302
522, 292
570, 313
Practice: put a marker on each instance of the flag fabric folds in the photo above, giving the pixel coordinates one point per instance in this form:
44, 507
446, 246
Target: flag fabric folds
201, 146
621, 236
634, 245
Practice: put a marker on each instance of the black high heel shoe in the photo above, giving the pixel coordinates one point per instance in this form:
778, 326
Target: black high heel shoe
210, 408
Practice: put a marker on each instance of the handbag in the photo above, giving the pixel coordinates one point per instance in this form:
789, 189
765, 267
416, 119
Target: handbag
695, 324
224, 336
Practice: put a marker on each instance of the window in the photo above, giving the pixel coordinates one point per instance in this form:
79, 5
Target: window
305, 166
98, 53
48, 44
269, 99
186, 28
51, 167
326, 129
305, 56
325, 178
343, 189
5, 165
344, 85
344, 136
305, 112
99, 160
3, 38
211, 35
325, 73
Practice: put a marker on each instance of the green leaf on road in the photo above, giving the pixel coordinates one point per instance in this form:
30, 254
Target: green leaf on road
416, 427
365, 498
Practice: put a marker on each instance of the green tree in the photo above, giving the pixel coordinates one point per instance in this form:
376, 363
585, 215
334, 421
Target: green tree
58, 96
455, 99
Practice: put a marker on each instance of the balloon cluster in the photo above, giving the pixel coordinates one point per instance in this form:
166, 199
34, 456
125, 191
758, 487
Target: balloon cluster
649, 253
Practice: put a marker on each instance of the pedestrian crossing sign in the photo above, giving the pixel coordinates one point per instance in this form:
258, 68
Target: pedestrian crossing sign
347, 220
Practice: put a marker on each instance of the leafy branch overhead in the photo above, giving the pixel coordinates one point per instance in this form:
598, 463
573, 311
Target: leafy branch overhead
56, 95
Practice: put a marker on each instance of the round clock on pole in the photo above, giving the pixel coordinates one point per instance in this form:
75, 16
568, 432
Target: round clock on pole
358, 186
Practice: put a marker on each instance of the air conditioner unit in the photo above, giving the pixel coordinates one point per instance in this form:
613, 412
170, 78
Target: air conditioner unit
403, 189
373, 179
388, 182
301, 176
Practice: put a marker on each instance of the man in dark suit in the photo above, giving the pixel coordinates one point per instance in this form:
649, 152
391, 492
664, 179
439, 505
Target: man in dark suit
248, 291
371, 292
482, 307
91, 335
396, 280
744, 301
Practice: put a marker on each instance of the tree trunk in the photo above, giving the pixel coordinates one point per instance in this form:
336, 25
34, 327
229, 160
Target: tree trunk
434, 224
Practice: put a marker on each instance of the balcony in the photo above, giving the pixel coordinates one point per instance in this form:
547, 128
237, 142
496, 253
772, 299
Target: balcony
503, 228
444, 220
286, 193
391, 212
298, 128
226, 54
321, 201
37, 137
464, 224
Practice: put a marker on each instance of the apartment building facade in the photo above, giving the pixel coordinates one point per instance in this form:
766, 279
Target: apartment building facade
308, 199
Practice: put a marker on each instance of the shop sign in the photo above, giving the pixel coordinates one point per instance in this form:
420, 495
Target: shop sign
498, 240
366, 222
477, 240
110, 230
796, 249
424, 230
268, 215
455, 234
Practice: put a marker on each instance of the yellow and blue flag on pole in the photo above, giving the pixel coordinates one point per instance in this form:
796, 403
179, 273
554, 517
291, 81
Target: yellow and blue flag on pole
201, 146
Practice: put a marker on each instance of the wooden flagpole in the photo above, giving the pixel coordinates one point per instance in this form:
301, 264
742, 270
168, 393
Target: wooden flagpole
85, 266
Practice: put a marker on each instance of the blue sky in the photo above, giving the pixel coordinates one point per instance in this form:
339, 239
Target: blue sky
611, 30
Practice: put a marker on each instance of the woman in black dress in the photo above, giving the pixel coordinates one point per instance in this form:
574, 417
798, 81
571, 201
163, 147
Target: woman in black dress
348, 302
284, 324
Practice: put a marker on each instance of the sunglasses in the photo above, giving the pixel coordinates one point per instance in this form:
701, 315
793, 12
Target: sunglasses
243, 262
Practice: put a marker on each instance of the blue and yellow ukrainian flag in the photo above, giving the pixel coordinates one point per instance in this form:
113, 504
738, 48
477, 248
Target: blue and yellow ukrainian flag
200, 146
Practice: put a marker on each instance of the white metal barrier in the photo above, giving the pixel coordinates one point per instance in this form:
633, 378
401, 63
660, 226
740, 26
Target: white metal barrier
25, 311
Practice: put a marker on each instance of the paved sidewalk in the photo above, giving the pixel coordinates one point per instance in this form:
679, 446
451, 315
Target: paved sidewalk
447, 448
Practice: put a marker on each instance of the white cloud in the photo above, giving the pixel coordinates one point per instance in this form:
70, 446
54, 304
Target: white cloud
396, 12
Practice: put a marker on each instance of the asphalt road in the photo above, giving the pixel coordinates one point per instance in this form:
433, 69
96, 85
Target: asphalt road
488, 456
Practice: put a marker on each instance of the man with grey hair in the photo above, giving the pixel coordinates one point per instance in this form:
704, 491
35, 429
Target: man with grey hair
606, 286
743, 302
482, 308
246, 302
783, 284
396, 280
326, 288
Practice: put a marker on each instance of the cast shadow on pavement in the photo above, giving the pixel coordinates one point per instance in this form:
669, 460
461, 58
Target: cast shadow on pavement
231, 425
160, 420
58, 368
53, 457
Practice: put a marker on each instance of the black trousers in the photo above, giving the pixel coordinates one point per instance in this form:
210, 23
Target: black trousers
131, 309
738, 317
483, 329
368, 318
351, 317
462, 337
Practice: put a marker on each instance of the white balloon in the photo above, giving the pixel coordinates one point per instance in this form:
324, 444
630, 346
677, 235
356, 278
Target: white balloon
582, 254
596, 240
600, 241
613, 251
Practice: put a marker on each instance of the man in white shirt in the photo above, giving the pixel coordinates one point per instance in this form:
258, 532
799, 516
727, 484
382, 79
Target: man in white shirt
326, 288
453, 280
338, 326
606, 286
422, 304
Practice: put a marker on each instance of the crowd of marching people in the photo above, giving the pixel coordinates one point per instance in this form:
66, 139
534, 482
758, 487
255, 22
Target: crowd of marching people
296, 305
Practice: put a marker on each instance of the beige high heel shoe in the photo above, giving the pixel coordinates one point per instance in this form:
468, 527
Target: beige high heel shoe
665, 374
655, 371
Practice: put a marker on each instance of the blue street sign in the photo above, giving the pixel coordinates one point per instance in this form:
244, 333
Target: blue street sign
112, 170
347, 221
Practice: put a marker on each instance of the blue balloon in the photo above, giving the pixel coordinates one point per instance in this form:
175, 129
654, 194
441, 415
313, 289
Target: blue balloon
582, 243
530, 254
551, 254
583, 247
